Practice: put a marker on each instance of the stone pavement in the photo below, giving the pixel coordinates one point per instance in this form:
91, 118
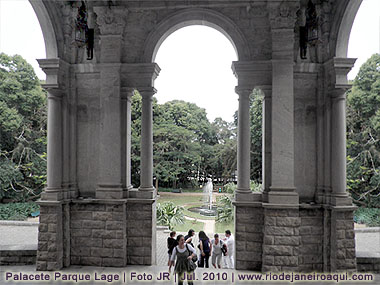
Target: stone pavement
13, 234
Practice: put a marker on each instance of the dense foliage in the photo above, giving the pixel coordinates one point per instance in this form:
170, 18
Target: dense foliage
22, 130
17, 211
363, 135
169, 214
188, 148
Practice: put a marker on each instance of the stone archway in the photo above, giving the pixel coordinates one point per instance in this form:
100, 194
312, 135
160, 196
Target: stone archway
90, 212
344, 27
196, 16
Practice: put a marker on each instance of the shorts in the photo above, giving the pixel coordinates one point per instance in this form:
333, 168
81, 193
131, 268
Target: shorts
216, 258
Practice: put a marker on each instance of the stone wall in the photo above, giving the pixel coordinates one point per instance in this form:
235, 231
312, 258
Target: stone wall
281, 240
311, 240
342, 255
368, 264
98, 233
141, 232
50, 238
17, 257
249, 237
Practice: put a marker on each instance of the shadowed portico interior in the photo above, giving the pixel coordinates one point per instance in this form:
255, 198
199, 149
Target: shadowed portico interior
90, 212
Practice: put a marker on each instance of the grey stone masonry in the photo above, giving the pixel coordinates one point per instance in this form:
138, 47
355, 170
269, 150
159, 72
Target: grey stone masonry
98, 233
311, 240
249, 237
18, 257
281, 240
50, 239
141, 231
342, 255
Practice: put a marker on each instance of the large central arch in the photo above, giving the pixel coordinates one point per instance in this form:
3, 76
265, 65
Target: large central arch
196, 16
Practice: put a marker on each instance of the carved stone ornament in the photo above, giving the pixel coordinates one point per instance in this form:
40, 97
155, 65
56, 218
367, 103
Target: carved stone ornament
111, 21
283, 15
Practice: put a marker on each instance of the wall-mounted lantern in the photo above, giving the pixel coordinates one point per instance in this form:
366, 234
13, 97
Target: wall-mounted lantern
84, 35
309, 32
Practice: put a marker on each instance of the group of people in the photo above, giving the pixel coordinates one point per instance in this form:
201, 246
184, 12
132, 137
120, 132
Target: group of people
183, 253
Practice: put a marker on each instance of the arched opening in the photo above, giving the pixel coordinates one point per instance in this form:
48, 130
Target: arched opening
26, 34
194, 65
25, 39
363, 166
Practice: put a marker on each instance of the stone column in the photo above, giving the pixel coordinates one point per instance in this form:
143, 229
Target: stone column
337, 69
127, 94
281, 215
146, 171
282, 18
341, 253
111, 24
338, 151
267, 140
53, 190
57, 90
243, 190
51, 237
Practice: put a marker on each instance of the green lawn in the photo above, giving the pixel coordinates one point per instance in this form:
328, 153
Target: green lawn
195, 225
189, 201
180, 199
192, 190
222, 227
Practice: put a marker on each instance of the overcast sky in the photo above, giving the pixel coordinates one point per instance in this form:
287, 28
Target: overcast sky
195, 61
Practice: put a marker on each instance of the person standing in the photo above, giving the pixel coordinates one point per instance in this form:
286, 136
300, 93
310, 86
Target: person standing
205, 247
184, 253
172, 242
189, 237
216, 256
229, 258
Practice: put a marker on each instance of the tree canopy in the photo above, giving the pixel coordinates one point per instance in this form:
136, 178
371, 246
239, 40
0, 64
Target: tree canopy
22, 131
363, 135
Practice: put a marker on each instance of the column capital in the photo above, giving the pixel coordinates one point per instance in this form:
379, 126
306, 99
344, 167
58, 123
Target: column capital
147, 92
253, 73
55, 70
111, 20
126, 93
55, 93
338, 94
243, 92
266, 90
336, 70
139, 74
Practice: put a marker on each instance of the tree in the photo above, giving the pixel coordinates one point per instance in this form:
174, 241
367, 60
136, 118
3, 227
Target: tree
22, 130
182, 143
363, 135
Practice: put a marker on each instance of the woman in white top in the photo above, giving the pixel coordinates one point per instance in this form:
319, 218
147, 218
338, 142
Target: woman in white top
183, 252
217, 245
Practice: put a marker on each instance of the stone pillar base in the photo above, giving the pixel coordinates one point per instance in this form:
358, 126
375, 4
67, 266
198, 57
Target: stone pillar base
50, 238
141, 231
342, 239
281, 239
248, 235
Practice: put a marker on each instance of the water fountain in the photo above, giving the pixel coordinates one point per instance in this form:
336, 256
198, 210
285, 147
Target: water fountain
207, 209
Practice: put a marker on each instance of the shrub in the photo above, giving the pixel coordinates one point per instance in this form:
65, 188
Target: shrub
168, 214
17, 211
